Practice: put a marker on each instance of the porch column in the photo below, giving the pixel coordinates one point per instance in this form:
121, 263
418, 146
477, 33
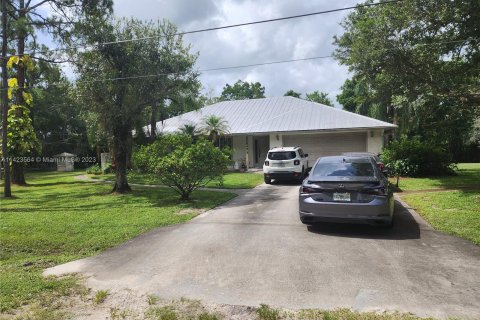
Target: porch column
375, 141
276, 140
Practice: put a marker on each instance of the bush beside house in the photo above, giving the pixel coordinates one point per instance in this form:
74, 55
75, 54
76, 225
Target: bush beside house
181, 163
412, 157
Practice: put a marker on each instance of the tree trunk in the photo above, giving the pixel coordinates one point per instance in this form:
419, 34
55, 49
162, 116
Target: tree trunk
120, 137
129, 150
18, 175
153, 123
395, 122
7, 192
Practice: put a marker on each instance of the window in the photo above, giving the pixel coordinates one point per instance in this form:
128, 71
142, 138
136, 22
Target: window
282, 155
345, 168
300, 152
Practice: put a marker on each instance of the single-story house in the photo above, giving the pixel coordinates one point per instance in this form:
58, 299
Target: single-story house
257, 125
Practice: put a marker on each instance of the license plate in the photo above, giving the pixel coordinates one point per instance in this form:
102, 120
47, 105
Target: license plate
281, 164
341, 196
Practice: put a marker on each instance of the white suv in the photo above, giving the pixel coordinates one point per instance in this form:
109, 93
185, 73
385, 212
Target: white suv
285, 163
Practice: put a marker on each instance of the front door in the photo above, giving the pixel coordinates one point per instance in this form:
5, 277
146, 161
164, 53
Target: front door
260, 150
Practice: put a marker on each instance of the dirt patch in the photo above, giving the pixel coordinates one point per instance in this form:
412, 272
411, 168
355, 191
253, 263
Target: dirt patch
195, 212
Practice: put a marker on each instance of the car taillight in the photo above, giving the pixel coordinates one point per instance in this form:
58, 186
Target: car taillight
377, 191
296, 162
267, 163
307, 190
381, 166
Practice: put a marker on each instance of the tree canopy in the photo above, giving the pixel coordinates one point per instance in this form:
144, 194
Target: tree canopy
243, 90
319, 97
415, 63
118, 105
292, 93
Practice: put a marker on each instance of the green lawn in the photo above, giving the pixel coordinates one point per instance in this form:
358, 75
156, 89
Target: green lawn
231, 180
237, 180
456, 212
467, 174
56, 219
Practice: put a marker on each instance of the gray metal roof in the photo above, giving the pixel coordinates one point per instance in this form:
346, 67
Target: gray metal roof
276, 114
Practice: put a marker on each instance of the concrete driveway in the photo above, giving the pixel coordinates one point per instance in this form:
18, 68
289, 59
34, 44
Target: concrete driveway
254, 250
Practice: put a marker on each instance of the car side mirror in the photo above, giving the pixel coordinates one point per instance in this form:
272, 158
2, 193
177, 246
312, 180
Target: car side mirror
305, 155
307, 172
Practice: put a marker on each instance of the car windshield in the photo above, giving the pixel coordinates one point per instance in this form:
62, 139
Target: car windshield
343, 168
282, 155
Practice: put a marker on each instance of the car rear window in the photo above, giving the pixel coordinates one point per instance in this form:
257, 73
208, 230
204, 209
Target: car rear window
282, 155
360, 154
344, 168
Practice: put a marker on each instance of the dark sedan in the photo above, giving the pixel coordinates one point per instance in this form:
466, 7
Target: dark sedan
346, 189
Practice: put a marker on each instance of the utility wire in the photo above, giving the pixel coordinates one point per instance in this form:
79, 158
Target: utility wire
180, 73
219, 28
229, 67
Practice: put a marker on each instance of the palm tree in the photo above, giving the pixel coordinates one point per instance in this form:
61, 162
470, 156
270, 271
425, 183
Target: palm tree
214, 127
190, 130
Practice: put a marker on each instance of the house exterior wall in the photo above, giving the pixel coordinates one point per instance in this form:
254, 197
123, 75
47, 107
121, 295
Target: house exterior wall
316, 144
322, 144
250, 161
239, 144
276, 140
375, 141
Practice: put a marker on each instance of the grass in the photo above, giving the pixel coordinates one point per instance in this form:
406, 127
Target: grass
237, 180
265, 312
100, 296
56, 219
231, 180
183, 310
346, 314
456, 212
467, 174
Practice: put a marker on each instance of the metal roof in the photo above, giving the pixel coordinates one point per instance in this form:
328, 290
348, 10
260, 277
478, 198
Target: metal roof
276, 114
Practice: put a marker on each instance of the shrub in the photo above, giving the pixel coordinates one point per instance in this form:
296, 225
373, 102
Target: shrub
145, 158
412, 157
267, 313
108, 169
181, 164
95, 169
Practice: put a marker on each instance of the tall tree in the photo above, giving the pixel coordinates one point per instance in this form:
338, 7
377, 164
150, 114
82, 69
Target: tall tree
56, 115
120, 103
242, 90
7, 192
319, 97
292, 93
176, 88
23, 19
419, 61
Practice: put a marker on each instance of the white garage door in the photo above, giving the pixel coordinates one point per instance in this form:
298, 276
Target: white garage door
327, 144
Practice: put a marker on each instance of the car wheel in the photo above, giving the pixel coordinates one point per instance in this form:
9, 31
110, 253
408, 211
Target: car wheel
267, 180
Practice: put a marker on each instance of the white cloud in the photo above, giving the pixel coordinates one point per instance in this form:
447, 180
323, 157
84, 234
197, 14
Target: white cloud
282, 40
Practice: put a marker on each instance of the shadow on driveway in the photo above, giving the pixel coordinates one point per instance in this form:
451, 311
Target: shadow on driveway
405, 227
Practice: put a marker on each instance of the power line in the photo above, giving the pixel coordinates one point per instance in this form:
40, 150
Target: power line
220, 27
233, 67
179, 73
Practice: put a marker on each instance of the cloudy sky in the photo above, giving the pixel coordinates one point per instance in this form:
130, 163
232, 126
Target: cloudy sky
274, 41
